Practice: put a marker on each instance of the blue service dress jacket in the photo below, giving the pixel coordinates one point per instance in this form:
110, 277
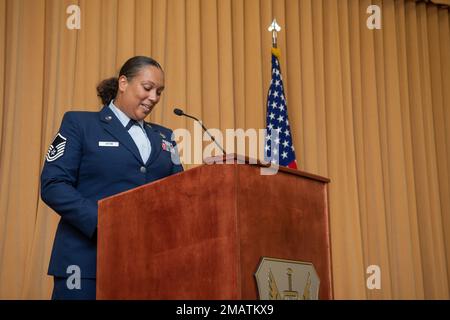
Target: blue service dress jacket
93, 157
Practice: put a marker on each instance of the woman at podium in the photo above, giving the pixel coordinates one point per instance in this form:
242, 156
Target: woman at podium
98, 154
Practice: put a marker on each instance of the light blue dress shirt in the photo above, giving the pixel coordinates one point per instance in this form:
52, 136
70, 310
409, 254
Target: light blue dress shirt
137, 132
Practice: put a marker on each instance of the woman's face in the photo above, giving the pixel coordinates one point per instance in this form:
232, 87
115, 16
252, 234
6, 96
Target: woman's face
136, 97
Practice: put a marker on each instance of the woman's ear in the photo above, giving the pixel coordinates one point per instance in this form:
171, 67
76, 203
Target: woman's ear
123, 83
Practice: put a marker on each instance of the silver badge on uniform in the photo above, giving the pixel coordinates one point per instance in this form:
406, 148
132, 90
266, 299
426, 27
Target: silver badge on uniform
57, 148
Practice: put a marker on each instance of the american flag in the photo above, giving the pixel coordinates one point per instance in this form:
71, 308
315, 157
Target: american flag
278, 148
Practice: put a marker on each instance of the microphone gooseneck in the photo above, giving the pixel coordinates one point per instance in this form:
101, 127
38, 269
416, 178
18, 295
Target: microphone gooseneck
180, 113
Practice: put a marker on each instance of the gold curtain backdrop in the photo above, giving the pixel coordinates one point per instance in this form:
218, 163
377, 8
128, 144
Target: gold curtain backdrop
370, 109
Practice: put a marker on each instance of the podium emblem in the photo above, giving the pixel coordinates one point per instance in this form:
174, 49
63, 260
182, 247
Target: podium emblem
279, 279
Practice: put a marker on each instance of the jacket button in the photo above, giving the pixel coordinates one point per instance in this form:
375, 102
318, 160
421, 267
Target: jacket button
143, 169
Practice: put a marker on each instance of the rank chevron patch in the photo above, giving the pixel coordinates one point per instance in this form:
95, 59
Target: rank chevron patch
57, 148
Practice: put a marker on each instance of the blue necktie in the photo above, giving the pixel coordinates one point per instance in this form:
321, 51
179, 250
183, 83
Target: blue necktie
130, 124
140, 138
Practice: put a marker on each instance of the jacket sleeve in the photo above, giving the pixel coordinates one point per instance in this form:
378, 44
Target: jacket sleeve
59, 178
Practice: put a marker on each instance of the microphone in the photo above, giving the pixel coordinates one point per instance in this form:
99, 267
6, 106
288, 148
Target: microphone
180, 113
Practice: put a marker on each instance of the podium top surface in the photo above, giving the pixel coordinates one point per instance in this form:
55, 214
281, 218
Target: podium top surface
235, 158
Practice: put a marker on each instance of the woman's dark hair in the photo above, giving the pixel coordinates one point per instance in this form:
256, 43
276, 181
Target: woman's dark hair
107, 89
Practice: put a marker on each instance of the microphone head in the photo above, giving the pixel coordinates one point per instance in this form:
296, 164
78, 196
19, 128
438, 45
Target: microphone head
178, 112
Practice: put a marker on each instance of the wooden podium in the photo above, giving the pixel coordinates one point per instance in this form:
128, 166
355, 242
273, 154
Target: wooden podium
200, 234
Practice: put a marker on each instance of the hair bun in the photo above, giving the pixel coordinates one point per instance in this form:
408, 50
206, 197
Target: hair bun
107, 89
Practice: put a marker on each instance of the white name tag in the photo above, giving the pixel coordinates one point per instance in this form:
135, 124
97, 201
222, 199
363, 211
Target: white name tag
108, 144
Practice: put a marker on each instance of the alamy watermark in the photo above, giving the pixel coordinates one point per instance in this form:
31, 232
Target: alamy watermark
374, 279
262, 148
374, 20
74, 280
74, 19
